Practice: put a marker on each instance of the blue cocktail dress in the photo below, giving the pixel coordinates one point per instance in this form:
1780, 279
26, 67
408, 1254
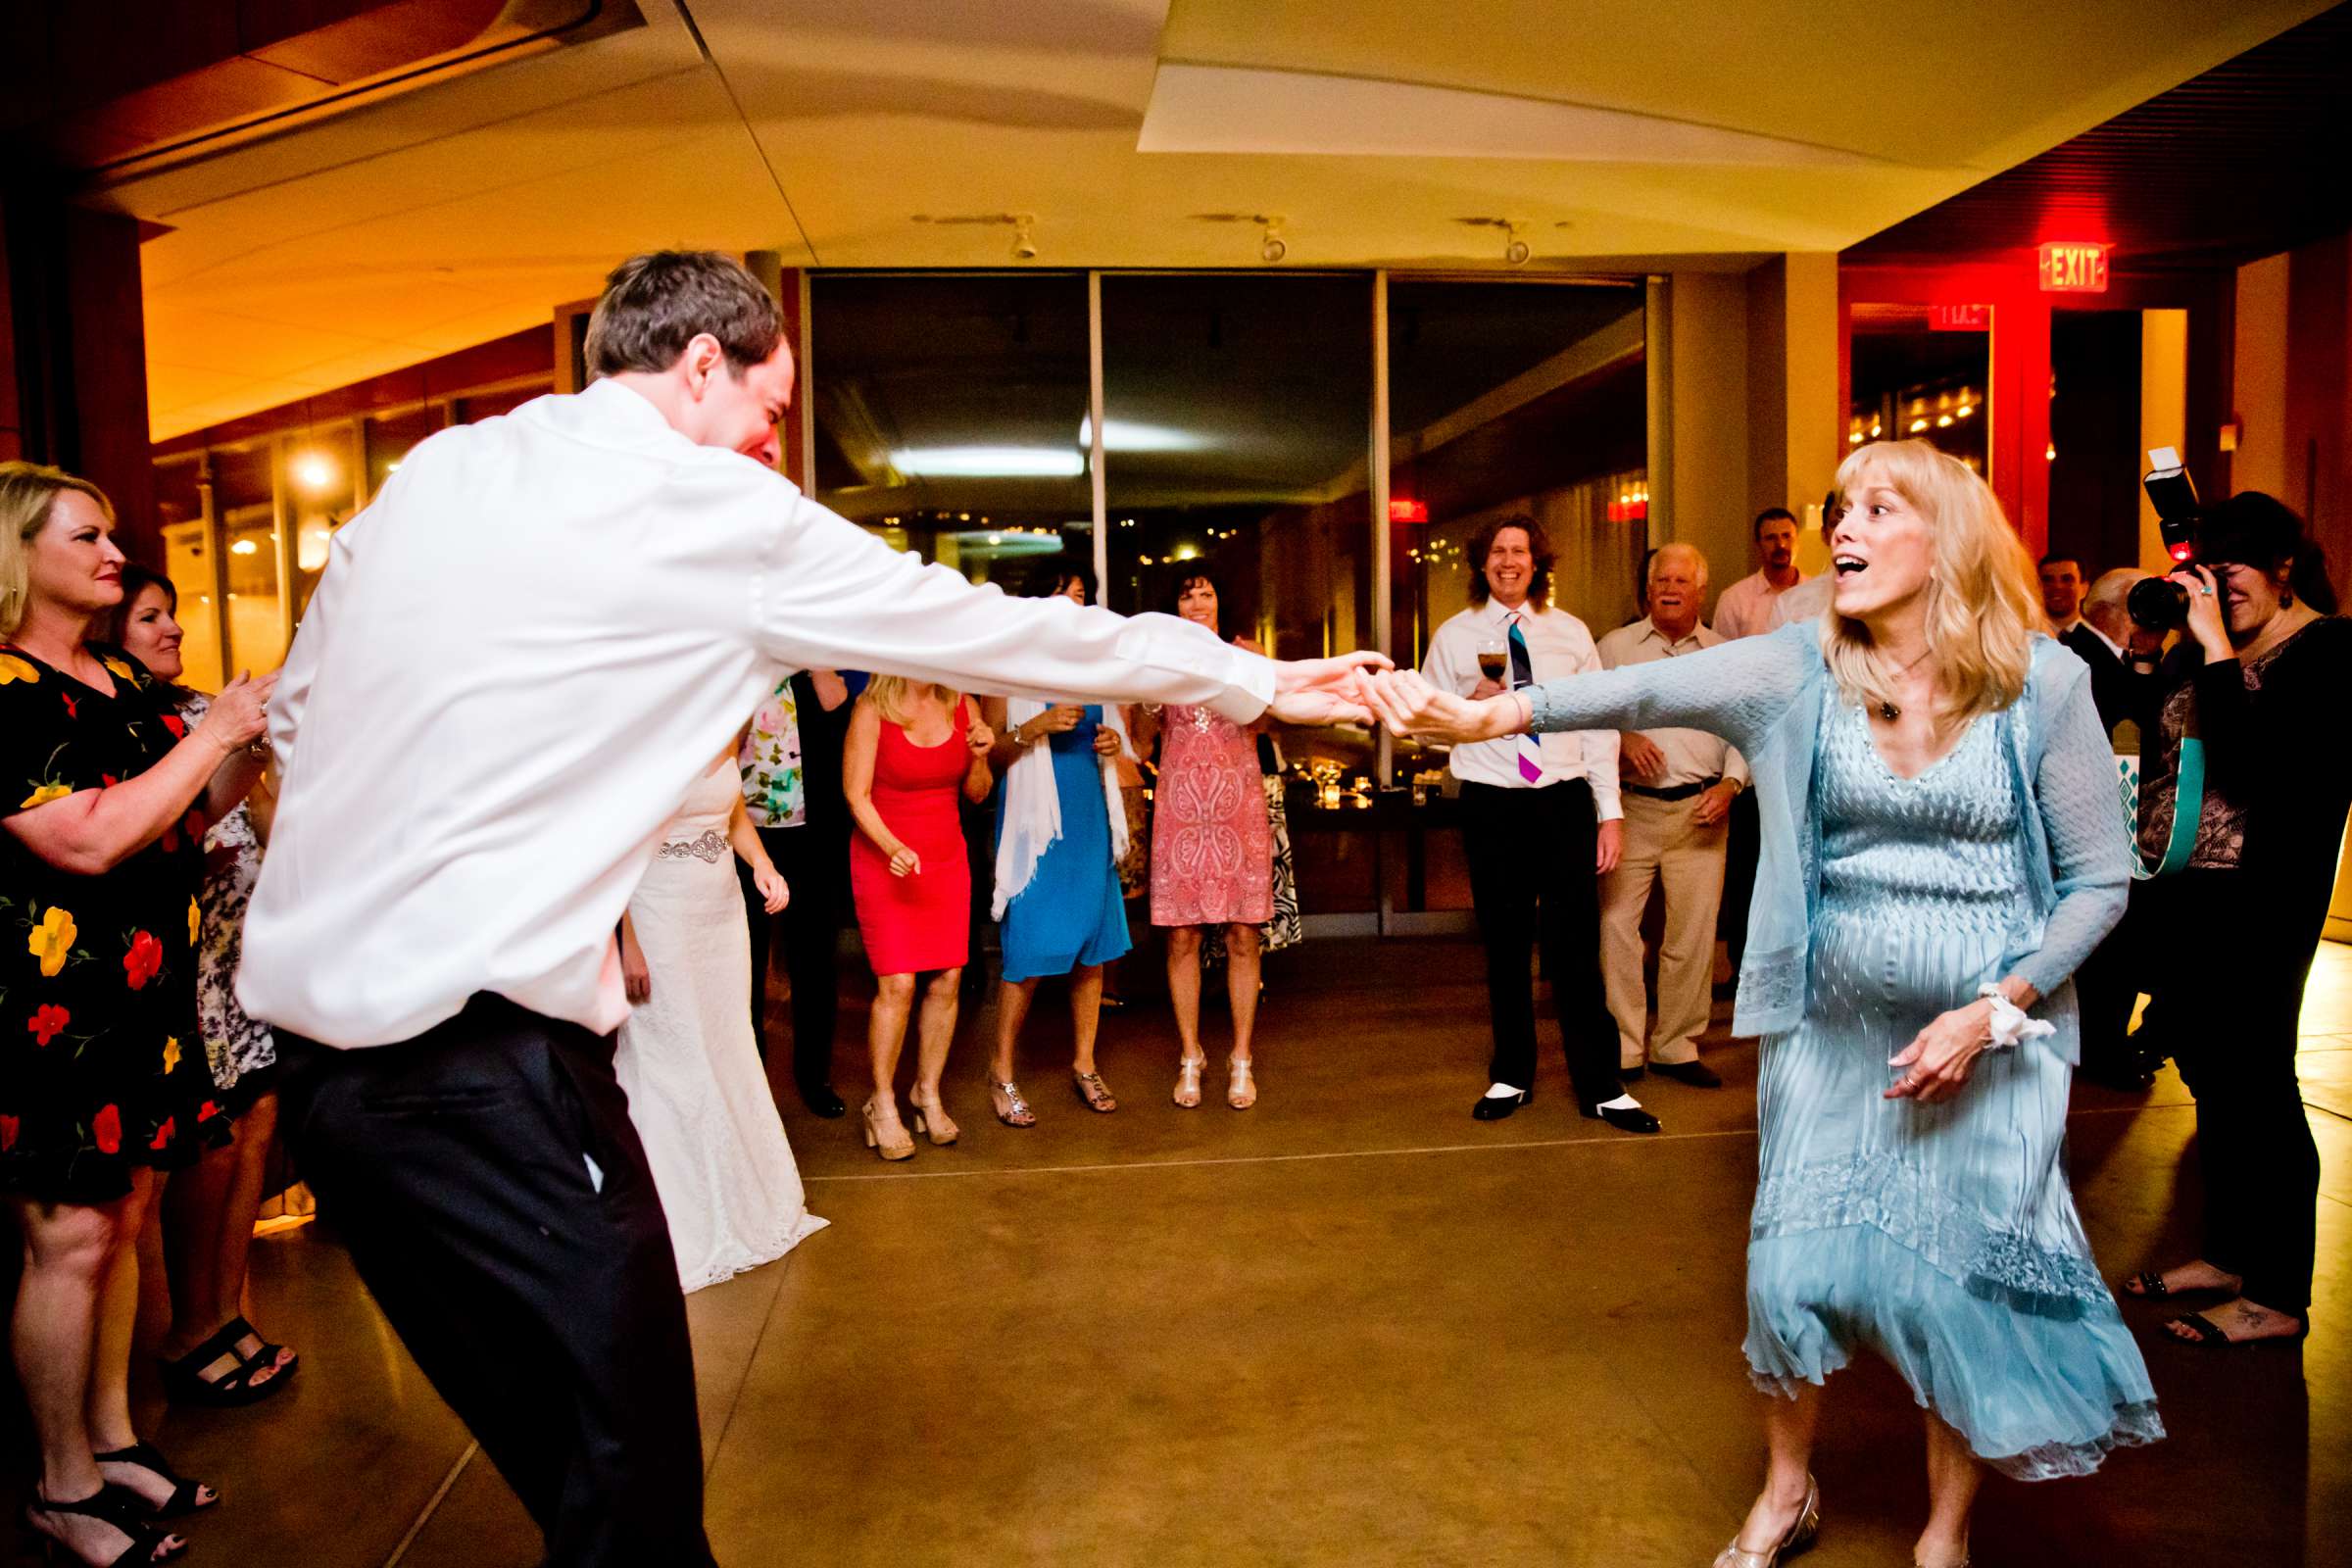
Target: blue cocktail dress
1071, 911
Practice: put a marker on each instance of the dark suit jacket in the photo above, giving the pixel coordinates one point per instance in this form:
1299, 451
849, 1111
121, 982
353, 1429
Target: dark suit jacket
2111, 680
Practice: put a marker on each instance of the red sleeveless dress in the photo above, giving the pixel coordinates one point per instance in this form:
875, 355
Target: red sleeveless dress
912, 924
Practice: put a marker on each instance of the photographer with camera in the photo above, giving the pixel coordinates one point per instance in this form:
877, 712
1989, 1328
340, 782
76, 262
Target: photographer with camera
2242, 833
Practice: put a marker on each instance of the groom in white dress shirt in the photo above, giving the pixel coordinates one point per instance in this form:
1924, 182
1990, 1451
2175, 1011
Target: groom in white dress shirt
517, 660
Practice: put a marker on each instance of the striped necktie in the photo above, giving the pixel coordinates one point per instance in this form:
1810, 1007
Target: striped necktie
1523, 674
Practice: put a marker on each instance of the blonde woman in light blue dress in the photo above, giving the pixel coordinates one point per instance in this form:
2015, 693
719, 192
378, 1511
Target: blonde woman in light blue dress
1942, 847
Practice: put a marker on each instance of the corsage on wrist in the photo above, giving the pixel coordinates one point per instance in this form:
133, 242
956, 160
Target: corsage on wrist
2009, 1023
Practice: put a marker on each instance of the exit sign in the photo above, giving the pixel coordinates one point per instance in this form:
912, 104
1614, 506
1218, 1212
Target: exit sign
1959, 317
2073, 268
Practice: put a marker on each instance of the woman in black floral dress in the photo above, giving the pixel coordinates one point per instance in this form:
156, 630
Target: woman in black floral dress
101, 1071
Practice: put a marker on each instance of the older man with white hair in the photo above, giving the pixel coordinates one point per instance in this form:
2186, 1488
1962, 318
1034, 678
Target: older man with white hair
2106, 639
1677, 787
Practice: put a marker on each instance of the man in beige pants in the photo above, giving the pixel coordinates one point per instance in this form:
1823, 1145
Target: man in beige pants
1678, 785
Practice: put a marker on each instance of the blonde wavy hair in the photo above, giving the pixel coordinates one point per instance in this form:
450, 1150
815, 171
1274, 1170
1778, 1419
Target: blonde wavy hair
1984, 606
889, 694
27, 490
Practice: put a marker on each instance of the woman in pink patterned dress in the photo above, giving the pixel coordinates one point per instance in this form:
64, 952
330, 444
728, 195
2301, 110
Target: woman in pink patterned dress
1212, 862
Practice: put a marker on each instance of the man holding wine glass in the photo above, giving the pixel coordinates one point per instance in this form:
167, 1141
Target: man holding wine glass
1540, 824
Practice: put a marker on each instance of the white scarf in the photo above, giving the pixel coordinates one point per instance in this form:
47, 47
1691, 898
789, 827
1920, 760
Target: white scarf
1033, 806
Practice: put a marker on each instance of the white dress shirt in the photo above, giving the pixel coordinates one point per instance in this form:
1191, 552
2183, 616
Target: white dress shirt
1558, 646
1803, 602
523, 653
1745, 609
1693, 755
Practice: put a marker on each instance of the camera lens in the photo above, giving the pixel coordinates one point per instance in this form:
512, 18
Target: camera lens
2157, 602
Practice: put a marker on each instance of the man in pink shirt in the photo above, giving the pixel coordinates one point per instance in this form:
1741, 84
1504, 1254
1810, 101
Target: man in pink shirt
1745, 607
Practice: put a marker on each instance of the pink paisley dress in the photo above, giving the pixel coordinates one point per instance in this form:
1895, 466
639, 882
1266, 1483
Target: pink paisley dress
1213, 847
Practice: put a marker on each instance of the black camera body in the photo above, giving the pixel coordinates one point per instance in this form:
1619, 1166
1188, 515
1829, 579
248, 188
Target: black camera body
2160, 604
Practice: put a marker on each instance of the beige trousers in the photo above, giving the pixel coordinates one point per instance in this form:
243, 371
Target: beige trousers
1664, 846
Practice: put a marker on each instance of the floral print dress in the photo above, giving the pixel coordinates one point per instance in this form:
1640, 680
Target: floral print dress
239, 1049
102, 1067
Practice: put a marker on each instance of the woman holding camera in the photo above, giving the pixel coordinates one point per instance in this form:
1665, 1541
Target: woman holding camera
1938, 853
2244, 832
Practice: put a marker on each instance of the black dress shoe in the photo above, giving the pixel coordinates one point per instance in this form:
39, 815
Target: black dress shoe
1697, 1074
1633, 1074
821, 1101
1625, 1118
1494, 1108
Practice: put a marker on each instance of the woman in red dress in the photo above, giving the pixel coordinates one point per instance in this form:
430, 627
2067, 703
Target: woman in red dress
910, 748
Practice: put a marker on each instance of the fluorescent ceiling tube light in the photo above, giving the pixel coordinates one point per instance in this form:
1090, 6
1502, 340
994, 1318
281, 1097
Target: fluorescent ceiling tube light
1125, 435
990, 463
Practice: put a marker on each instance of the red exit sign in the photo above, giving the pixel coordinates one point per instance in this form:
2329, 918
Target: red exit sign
2073, 268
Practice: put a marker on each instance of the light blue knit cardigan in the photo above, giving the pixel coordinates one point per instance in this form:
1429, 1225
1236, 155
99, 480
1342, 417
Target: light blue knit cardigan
1764, 695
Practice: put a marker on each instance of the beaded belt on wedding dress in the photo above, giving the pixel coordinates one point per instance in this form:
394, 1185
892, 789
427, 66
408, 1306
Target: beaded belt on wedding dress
709, 847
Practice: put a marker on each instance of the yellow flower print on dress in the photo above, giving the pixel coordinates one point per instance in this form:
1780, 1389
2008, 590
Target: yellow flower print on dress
45, 794
13, 669
195, 922
53, 940
117, 666
170, 1052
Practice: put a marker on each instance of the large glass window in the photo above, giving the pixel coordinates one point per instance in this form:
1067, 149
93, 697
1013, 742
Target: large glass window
188, 562
390, 437
1919, 372
1511, 398
1235, 420
245, 497
951, 418
321, 492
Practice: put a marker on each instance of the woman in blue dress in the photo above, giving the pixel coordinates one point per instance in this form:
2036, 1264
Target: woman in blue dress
1061, 828
1943, 846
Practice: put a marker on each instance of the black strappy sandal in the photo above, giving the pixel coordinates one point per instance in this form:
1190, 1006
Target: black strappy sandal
109, 1505
185, 1382
2147, 1284
2204, 1334
187, 1496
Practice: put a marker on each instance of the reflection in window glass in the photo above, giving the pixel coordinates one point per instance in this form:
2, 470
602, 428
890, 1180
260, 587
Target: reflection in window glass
1236, 412
321, 475
245, 497
1504, 398
188, 563
1912, 380
950, 419
390, 437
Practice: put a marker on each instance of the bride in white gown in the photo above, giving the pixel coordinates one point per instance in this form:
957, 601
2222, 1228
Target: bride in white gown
687, 1058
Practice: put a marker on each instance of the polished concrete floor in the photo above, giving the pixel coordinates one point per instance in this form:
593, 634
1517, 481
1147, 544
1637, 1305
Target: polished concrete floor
1350, 1326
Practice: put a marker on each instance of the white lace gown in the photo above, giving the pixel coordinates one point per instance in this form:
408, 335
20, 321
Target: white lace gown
689, 1064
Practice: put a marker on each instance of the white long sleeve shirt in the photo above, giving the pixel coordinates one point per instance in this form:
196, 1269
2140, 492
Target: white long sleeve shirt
522, 655
1558, 646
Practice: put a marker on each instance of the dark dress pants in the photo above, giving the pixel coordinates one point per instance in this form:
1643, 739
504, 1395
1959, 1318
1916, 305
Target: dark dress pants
813, 862
541, 1298
1531, 880
2233, 1000
1742, 842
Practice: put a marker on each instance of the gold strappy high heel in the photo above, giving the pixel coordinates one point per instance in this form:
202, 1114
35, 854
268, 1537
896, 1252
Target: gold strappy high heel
1802, 1532
1094, 1090
1187, 1081
1239, 1091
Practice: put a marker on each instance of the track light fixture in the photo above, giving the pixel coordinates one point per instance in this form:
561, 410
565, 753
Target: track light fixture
1271, 246
1515, 251
1022, 224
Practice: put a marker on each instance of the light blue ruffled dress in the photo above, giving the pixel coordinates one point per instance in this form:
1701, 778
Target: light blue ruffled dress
1942, 1236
